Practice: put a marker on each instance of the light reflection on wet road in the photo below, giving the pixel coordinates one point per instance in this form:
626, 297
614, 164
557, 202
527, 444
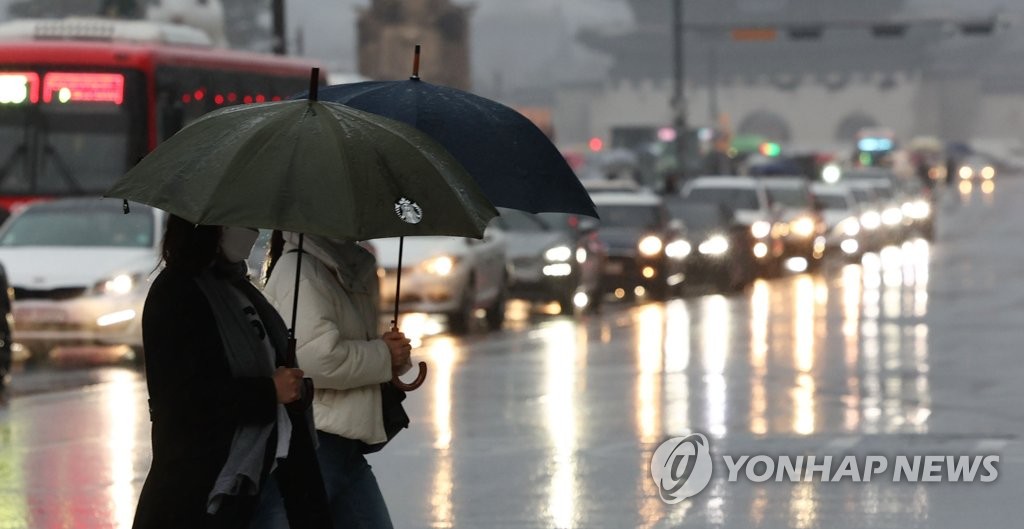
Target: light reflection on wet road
552, 423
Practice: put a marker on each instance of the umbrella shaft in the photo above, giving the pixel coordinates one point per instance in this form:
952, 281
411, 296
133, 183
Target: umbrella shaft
295, 294
398, 279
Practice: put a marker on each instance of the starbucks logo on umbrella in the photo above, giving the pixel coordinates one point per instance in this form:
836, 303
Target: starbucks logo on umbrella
408, 211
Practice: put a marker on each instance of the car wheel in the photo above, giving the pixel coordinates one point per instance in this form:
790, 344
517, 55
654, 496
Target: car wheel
461, 320
496, 312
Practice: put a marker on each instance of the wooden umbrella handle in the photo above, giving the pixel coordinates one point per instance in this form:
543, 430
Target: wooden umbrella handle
415, 383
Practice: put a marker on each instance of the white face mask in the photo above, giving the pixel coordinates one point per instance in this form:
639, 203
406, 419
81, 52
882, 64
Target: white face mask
237, 243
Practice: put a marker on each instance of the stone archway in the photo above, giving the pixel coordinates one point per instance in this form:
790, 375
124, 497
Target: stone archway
767, 124
851, 124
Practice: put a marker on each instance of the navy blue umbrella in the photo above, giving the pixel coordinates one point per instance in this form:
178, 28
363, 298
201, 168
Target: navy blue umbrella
514, 163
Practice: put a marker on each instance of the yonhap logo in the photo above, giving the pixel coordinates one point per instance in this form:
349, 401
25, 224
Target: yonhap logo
681, 467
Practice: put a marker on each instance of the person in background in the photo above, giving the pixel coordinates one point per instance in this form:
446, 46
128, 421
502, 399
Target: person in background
216, 400
341, 349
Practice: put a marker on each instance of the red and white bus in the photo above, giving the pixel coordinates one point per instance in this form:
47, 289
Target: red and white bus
82, 100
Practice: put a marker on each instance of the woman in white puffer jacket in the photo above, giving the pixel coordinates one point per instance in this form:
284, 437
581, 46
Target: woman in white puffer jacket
339, 346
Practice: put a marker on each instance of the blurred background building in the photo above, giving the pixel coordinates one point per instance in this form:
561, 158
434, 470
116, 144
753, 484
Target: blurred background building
806, 72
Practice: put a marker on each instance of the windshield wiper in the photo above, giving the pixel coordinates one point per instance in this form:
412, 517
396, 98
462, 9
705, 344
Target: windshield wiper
20, 152
62, 167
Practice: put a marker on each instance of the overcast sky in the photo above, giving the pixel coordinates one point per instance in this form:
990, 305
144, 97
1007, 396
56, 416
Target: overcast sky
514, 43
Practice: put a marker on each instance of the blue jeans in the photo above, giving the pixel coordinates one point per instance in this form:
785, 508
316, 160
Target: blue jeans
352, 490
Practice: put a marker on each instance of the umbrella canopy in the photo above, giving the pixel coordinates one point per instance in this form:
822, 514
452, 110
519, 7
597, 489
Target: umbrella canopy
309, 167
512, 160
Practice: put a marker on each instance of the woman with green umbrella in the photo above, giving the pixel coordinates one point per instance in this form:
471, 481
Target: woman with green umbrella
217, 402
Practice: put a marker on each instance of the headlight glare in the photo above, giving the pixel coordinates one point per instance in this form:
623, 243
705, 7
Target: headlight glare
802, 226
439, 266
119, 285
558, 253
714, 245
760, 229
678, 249
650, 245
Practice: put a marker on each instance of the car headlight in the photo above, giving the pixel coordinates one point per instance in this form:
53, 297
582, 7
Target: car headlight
988, 172
892, 216
558, 254
918, 209
118, 285
966, 172
849, 226
871, 220
678, 249
441, 265
650, 246
802, 227
714, 245
760, 229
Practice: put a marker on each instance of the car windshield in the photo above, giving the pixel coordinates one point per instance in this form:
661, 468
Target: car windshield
883, 191
623, 216
733, 198
80, 227
794, 197
863, 195
860, 175
698, 216
833, 201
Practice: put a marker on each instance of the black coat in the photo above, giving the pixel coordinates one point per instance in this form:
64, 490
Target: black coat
195, 406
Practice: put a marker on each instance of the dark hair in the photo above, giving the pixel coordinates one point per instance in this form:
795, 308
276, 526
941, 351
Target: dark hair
274, 250
189, 247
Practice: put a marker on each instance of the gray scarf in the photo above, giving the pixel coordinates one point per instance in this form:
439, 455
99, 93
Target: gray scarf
240, 475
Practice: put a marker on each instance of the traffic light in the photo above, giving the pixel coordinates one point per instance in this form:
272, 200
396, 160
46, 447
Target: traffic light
770, 149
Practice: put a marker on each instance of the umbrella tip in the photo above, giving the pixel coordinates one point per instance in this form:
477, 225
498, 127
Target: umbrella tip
416, 64
314, 83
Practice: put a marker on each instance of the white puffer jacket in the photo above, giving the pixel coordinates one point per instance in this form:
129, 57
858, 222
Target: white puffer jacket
337, 337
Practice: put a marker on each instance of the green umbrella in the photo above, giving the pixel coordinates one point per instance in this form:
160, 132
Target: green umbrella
308, 166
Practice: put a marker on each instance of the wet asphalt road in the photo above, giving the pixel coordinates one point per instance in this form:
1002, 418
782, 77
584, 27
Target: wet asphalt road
552, 423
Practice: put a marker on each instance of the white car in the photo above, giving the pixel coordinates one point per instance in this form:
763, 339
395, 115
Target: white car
80, 270
845, 234
453, 276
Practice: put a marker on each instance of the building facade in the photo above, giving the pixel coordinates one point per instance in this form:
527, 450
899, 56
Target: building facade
805, 72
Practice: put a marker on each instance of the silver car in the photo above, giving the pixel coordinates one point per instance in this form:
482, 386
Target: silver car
80, 271
453, 276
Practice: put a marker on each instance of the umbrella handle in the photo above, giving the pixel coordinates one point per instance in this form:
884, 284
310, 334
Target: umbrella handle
410, 386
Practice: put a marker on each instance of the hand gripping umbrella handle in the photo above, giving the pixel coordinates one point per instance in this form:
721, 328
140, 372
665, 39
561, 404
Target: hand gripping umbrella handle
415, 383
423, 365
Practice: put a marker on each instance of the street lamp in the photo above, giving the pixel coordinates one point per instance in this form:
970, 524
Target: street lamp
678, 98
280, 42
